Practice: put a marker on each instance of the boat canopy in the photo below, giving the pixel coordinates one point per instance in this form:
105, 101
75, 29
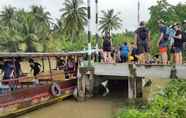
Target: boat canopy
52, 54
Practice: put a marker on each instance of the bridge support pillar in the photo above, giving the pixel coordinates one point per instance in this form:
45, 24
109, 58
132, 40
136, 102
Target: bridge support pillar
85, 83
173, 73
132, 88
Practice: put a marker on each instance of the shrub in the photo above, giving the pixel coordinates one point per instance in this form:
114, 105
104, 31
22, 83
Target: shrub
171, 103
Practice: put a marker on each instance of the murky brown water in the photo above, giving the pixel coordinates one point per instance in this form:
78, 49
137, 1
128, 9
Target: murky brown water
101, 107
94, 108
156, 87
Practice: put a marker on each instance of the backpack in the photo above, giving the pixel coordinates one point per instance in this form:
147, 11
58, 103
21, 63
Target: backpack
184, 36
142, 33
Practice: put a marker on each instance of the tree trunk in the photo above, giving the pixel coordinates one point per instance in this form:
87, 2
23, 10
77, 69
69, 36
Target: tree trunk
30, 46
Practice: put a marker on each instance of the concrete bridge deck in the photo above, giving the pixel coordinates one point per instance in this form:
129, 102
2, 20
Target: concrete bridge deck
155, 71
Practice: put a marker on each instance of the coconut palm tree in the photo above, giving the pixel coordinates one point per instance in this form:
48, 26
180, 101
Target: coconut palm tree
8, 17
9, 36
43, 22
28, 30
42, 17
109, 21
74, 17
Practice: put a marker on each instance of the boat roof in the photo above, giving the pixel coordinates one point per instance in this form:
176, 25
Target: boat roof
51, 54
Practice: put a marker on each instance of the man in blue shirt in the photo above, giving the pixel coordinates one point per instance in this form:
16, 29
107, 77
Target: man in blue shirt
8, 70
124, 51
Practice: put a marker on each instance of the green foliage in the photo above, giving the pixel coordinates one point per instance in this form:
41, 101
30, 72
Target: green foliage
154, 49
119, 39
32, 30
164, 11
19, 26
169, 103
109, 21
74, 17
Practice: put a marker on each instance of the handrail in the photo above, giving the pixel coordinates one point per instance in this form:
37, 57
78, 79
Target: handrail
27, 77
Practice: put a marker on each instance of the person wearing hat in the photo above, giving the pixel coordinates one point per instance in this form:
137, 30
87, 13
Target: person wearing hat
162, 43
142, 40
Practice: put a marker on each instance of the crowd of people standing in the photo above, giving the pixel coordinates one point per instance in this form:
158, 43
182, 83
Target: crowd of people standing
170, 45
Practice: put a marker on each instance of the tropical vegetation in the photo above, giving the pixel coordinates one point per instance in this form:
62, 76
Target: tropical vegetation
169, 103
169, 13
109, 21
34, 30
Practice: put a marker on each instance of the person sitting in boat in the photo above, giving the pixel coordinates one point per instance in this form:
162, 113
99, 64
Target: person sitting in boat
18, 70
70, 65
70, 68
61, 63
35, 67
8, 70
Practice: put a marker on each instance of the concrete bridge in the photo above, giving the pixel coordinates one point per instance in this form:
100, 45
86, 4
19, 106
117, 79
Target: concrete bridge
133, 73
150, 71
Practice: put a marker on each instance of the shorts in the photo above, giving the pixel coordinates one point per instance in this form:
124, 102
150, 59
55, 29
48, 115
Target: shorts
36, 72
142, 47
107, 49
177, 49
124, 58
163, 49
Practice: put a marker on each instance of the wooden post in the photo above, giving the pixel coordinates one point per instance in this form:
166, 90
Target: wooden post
89, 85
132, 82
139, 87
81, 88
43, 64
85, 83
173, 73
50, 67
13, 83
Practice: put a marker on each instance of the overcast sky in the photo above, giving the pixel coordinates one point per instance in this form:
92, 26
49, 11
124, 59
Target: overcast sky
127, 8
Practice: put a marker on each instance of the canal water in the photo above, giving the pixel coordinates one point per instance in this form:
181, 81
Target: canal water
97, 107
69, 108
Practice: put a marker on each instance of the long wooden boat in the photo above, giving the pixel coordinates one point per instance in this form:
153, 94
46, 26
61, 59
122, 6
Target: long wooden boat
53, 81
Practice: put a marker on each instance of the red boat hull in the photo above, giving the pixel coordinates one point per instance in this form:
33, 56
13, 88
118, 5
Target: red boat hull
26, 97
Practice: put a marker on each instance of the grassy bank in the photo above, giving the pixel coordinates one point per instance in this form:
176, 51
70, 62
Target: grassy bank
169, 103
